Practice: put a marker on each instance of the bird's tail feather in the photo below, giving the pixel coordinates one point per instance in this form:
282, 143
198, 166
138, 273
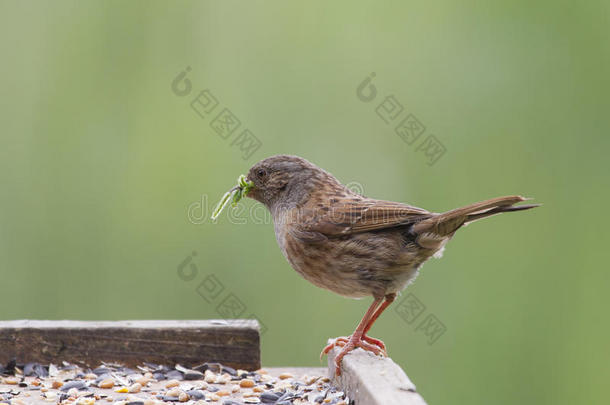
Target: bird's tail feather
445, 224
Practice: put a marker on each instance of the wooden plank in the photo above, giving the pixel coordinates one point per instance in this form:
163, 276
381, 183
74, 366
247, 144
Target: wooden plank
235, 343
373, 380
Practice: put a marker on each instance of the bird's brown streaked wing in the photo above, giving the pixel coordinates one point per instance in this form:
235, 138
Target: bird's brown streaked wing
349, 217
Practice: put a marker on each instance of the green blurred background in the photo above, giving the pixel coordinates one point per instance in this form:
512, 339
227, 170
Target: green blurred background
100, 161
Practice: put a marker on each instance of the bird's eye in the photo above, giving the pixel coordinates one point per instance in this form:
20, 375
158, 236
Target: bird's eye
261, 173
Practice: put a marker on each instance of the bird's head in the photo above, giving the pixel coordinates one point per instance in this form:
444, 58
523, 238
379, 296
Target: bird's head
285, 180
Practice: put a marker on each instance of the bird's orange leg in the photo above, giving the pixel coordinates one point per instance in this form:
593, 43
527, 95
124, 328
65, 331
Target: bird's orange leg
355, 340
366, 342
388, 300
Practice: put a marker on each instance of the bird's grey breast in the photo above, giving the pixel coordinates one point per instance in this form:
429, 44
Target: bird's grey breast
279, 221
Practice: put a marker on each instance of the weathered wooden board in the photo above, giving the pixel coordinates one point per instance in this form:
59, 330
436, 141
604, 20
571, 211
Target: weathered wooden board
235, 343
373, 380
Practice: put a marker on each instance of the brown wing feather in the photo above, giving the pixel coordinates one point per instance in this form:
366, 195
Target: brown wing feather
345, 217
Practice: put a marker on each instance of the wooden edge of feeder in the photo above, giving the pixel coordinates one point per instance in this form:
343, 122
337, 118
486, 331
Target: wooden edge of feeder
235, 342
373, 380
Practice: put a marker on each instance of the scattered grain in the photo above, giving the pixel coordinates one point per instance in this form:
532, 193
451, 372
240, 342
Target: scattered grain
135, 388
107, 383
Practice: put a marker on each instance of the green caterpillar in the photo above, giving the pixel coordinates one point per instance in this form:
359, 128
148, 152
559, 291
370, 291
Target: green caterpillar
233, 195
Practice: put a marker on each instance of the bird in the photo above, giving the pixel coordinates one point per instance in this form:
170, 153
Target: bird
353, 245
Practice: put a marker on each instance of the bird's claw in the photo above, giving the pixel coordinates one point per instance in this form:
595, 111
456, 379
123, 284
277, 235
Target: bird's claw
377, 343
349, 343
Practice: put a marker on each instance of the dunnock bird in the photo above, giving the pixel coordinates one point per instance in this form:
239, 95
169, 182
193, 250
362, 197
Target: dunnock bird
353, 245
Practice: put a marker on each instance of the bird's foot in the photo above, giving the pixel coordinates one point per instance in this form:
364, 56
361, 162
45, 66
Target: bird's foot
342, 340
349, 343
377, 343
